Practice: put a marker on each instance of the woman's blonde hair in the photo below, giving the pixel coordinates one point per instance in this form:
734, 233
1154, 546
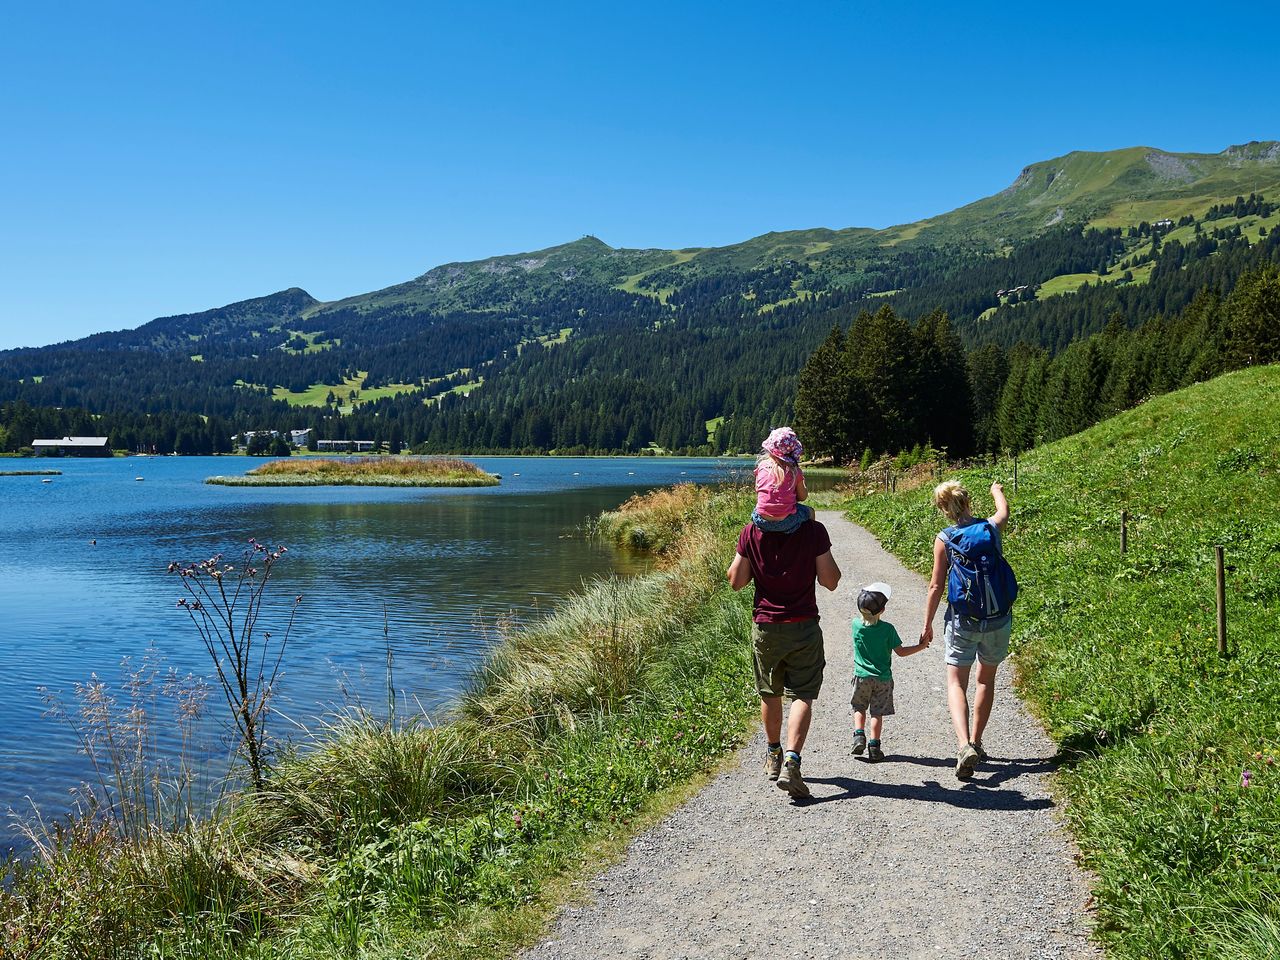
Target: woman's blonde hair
952, 499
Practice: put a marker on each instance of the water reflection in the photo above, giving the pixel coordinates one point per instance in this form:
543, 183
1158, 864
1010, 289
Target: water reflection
83, 582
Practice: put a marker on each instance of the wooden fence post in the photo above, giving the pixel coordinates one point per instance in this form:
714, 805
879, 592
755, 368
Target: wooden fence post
1124, 531
1222, 602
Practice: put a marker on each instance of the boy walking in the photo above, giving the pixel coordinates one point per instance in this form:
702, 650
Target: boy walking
875, 641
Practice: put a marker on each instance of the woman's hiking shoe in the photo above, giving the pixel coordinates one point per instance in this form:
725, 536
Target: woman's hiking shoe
772, 763
859, 742
982, 754
791, 781
874, 753
966, 760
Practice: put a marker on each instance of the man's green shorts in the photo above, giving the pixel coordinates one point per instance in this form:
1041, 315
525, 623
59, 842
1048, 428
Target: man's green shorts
788, 659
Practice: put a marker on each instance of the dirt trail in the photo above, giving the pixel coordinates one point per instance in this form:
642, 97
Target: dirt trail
894, 859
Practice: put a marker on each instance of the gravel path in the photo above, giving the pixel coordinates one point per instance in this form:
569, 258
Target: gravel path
895, 859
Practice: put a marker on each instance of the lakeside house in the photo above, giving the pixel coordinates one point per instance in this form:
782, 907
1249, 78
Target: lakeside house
299, 438
73, 446
357, 446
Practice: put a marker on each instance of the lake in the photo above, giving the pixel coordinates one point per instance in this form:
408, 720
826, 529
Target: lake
84, 585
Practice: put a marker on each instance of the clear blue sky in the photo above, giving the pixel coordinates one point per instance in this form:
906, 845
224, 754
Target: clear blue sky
166, 158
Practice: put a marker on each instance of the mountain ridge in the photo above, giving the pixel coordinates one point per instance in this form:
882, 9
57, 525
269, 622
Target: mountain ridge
1106, 188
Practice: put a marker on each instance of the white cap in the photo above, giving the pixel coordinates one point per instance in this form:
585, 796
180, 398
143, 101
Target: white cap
879, 587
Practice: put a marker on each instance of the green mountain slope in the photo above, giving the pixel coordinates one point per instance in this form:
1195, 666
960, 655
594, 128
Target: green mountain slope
1112, 188
1117, 653
586, 346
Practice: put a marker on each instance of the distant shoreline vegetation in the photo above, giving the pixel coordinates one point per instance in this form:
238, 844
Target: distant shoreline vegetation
30, 473
383, 472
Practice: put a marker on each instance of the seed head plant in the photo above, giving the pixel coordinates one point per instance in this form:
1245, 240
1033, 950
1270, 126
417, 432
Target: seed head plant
224, 601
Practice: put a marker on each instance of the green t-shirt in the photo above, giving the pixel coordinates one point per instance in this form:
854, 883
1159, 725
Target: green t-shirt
873, 649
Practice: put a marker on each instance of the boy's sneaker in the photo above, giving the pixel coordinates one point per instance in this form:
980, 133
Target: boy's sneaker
772, 763
791, 781
859, 742
874, 753
982, 754
966, 760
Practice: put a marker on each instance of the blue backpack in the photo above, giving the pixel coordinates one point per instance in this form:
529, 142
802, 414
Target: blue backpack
980, 584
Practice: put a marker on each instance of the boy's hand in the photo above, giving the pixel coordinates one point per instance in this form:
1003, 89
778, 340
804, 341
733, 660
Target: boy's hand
997, 488
926, 635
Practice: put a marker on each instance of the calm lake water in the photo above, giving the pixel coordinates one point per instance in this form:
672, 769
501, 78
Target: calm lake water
446, 566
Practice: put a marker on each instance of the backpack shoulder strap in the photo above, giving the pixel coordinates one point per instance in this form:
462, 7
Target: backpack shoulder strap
950, 537
995, 536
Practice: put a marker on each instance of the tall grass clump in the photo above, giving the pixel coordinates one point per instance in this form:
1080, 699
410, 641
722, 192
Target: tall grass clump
391, 836
1171, 754
364, 471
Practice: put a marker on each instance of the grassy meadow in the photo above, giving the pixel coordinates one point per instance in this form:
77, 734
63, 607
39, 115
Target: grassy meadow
362, 472
401, 838
1171, 754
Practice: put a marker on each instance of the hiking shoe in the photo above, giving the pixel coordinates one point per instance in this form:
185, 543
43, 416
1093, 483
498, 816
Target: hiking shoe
966, 760
859, 742
982, 754
772, 763
874, 753
791, 781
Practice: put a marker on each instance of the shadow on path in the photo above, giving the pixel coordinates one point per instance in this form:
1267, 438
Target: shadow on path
990, 773
969, 796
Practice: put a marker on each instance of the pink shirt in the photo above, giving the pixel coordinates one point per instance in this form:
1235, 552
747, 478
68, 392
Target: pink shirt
773, 499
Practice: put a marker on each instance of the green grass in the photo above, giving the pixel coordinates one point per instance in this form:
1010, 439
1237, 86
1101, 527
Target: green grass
316, 394
447, 841
548, 340
1070, 283
1117, 655
315, 342
712, 426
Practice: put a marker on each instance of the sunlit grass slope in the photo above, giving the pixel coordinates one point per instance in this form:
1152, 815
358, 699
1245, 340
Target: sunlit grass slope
1172, 755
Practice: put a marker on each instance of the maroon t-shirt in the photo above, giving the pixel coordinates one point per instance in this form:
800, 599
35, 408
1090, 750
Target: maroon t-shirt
783, 568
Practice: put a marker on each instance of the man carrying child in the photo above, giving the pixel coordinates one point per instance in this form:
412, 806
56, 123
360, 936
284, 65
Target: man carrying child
786, 638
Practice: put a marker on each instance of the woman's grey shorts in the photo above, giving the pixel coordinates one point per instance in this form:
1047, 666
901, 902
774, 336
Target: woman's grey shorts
966, 639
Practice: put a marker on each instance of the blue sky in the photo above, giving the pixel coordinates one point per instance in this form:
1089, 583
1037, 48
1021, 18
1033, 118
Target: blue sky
166, 158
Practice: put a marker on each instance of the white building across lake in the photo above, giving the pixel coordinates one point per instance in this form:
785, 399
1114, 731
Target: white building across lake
76, 446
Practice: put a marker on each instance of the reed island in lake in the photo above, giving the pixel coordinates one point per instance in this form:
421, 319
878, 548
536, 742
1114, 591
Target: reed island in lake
363, 472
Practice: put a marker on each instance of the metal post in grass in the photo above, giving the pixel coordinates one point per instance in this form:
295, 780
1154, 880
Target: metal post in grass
1124, 531
1015, 474
1222, 602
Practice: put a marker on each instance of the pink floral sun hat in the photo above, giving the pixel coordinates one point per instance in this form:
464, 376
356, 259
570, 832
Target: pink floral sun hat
784, 444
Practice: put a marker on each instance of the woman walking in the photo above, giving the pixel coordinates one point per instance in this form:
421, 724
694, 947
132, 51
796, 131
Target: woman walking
969, 565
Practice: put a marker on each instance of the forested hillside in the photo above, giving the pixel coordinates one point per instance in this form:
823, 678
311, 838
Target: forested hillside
586, 347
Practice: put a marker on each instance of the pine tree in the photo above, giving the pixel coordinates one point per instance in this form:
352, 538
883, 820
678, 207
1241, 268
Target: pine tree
943, 393
822, 413
1253, 319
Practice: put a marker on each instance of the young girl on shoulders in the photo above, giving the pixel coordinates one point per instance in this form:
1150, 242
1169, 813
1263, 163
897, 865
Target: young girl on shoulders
780, 484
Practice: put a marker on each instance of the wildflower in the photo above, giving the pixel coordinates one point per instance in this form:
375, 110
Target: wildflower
1246, 776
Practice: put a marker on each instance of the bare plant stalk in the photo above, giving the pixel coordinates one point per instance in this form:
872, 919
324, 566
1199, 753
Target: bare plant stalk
224, 602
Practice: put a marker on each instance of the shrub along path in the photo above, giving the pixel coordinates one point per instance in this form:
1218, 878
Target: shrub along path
894, 859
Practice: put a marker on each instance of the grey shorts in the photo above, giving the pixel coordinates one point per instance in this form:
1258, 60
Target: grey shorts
788, 659
872, 695
970, 639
